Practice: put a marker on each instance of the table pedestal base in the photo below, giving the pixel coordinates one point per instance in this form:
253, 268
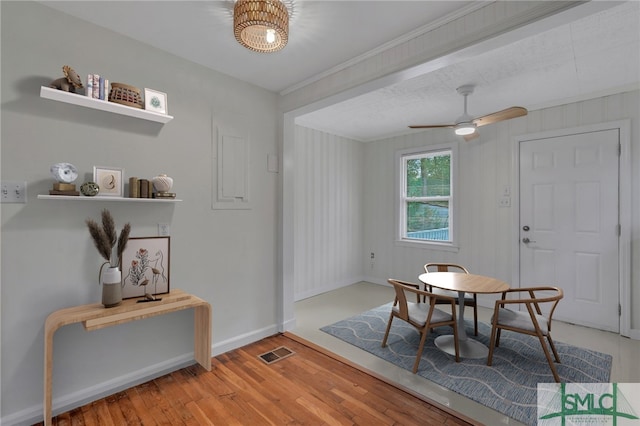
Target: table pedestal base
469, 348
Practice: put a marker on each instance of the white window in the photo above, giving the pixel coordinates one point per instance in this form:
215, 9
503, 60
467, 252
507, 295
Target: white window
426, 188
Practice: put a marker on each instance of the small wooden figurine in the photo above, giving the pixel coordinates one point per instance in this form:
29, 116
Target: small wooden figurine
69, 82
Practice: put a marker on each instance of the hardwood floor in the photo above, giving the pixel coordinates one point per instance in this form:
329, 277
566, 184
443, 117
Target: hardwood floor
309, 387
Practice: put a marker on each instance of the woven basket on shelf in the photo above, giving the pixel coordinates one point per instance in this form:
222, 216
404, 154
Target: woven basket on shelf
126, 95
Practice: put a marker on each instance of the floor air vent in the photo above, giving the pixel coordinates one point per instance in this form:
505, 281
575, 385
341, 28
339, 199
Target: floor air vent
276, 355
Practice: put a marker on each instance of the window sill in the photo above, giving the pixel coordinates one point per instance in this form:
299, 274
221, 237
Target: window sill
450, 247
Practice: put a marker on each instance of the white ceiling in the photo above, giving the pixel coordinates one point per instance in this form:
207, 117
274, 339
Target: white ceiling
583, 56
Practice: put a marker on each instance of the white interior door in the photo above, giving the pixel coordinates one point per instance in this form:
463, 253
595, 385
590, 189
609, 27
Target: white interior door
569, 216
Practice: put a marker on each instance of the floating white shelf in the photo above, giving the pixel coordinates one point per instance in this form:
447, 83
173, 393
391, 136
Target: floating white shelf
84, 101
103, 198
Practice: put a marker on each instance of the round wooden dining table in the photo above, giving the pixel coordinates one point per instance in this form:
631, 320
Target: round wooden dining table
463, 283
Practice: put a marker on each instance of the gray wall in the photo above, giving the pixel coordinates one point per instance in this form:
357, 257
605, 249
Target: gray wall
486, 231
48, 260
328, 220
486, 165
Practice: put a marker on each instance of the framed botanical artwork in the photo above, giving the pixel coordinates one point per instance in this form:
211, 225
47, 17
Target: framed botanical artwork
145, 266
155, 101
110, 181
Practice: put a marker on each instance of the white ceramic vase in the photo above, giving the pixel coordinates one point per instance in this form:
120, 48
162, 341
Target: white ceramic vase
110, 278
162, 183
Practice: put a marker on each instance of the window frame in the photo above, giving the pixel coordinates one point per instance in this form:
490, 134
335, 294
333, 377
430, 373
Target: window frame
401, 200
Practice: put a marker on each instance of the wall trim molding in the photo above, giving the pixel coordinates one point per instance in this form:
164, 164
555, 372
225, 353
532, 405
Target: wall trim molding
69, 401
328, 287
243, 339
66, 402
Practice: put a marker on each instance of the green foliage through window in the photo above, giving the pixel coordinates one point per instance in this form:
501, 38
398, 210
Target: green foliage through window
429, 176
427, 193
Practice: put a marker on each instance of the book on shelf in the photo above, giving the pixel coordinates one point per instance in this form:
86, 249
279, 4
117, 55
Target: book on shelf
68, 193
89, 86
143, 191
133, 187
143, 188
97, 87
62, 186
164, 195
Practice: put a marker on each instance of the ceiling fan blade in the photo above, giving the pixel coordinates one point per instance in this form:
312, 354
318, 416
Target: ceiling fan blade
431, 126
471, 136
505, 114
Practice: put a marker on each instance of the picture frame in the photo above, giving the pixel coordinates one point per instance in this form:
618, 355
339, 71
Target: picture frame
155, 101
145, 265
110, 181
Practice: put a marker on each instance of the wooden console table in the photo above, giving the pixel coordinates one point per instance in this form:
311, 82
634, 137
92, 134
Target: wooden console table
96, 316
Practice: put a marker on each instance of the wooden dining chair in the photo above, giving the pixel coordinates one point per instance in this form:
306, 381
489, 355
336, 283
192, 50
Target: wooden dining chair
530, 321
422, 315
470, 299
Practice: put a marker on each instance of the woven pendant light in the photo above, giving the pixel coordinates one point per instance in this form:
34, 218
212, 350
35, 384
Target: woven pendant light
261, 25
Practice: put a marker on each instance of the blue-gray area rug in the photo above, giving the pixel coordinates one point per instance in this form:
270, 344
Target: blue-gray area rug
508, 386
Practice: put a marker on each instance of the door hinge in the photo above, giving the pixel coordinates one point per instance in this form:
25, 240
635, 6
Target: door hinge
619, 149
619, 310
619, 230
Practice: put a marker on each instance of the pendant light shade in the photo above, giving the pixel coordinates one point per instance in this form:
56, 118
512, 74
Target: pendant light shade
261, 25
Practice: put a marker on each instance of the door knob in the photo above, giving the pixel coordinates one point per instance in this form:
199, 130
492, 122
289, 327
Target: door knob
527, 240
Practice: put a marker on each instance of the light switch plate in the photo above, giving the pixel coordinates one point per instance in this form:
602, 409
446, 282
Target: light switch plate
272, 163
13, 192
164, 229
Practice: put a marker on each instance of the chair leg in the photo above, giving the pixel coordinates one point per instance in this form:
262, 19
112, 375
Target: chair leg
553, 348
423, 339
549, 360
495, 336
386, 333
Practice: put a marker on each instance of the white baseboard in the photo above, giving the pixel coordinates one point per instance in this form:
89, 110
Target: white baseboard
333, 286
244, 339
64, 403
287, 325
376, 280
634, 334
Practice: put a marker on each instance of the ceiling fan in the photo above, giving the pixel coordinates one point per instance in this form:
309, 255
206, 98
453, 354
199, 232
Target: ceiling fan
466, 125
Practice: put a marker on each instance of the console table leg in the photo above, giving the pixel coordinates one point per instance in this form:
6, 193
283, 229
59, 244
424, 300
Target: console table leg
94, 317
48, 378
202, 335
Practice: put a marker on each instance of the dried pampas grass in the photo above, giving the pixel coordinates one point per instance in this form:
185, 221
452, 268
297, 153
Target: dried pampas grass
105, 238
100, 239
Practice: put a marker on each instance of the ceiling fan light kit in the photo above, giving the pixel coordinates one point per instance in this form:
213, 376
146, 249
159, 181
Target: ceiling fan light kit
466, 125
463, 129
261, 25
